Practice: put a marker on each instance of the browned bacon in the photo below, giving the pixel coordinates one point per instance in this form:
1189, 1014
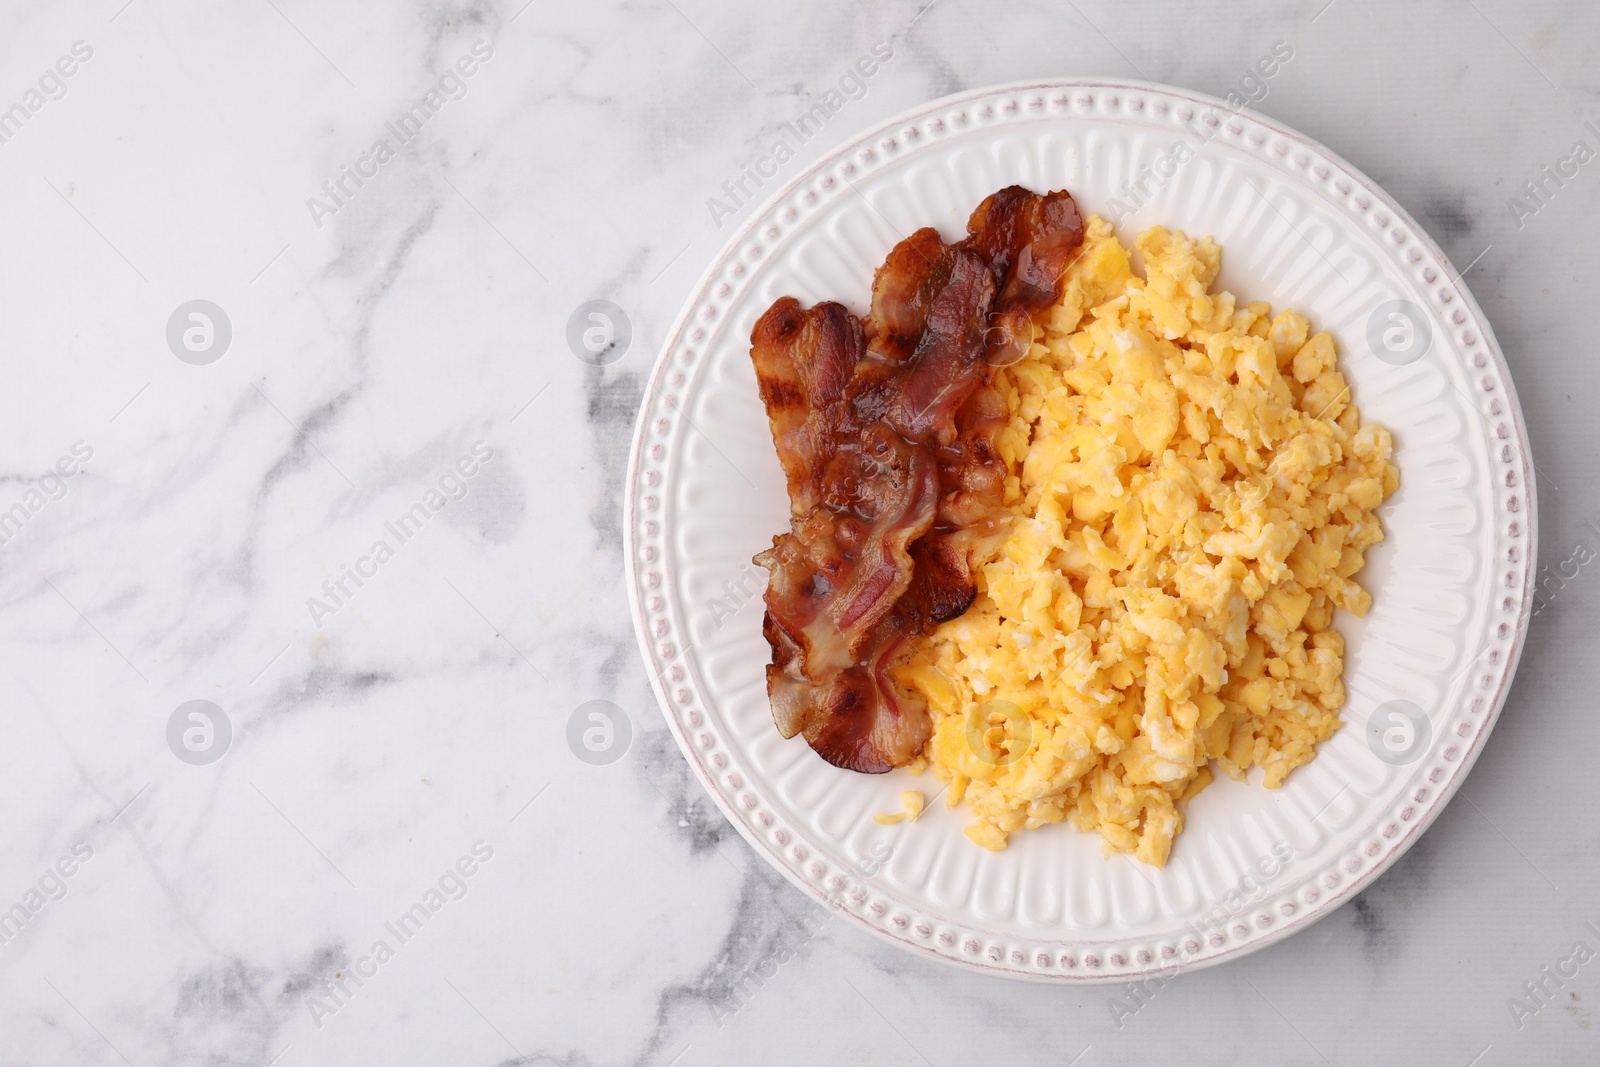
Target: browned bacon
947, 364
886, 436
804, 360
1030, 241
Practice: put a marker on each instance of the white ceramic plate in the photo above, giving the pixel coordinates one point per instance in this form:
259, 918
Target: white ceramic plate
1300, 228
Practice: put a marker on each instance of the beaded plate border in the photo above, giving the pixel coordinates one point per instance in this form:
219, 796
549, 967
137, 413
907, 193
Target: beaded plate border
656, 616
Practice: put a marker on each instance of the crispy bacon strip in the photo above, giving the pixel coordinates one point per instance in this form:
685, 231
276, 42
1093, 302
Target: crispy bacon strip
1030, 241
804, 360
947, 364
844, 565
886, 436
902, 290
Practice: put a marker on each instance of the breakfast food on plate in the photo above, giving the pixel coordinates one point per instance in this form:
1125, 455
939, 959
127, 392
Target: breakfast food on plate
1192, 492
911, 804
1152, 500
885, 432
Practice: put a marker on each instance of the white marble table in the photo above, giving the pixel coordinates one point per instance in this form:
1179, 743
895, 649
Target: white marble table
186, 516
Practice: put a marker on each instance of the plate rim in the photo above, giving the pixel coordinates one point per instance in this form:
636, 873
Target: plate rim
1462, 764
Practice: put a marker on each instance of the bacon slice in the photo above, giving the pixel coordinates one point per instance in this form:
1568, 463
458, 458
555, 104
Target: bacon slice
902, 290
871, 724
845, 564
948, 364
886, 436
804, 360
1030, 240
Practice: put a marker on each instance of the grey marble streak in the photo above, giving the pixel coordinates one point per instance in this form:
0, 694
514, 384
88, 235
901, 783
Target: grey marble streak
620, 919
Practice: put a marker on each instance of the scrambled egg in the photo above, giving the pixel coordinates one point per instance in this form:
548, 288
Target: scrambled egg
1193, 494
912, 801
